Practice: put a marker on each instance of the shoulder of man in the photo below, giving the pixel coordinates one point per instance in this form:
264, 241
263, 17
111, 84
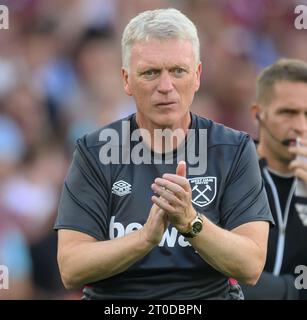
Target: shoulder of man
219, 134
98, 137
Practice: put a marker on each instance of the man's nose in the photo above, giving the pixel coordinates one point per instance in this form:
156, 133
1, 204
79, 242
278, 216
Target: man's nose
301, 124
165, 83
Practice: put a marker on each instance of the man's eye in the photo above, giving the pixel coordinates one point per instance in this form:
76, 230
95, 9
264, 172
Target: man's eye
289, 112
151, 73
178, 72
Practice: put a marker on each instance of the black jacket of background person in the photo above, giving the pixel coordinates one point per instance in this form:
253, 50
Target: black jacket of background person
109, 201
287, 245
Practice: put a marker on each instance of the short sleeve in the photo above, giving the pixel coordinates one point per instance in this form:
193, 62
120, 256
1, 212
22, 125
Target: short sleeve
83, 204
244, 199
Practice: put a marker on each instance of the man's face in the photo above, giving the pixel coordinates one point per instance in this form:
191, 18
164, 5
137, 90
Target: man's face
286, 117
163, 79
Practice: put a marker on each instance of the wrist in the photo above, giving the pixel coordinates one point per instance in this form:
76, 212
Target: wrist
194, 227
146, 241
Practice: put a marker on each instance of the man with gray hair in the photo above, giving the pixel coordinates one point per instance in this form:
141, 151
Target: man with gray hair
162, 230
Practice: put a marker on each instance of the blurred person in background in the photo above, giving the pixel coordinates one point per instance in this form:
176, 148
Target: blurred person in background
27, 109
232, 94
15, 255
281, 112
93, 101
14, 248
12, 147
29, 195
239, 38
32, 168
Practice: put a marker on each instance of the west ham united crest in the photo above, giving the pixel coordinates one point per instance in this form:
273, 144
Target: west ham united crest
203, 190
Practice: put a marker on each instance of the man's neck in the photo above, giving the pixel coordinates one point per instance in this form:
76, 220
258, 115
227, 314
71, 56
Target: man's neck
274, 164
164, 138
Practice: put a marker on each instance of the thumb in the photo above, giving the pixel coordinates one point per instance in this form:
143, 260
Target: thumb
181, 169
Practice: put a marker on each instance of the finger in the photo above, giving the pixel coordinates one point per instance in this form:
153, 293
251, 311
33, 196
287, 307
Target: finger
175, 188
298, 164
181, 181
298, 150
156, 212
301, 174
167, 195
303, 141
162, 204
181, 169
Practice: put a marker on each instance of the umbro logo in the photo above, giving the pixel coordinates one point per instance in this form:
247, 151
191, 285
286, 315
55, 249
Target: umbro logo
121, 188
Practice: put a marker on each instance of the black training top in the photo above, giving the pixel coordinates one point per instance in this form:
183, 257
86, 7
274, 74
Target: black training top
293, 247
108, 201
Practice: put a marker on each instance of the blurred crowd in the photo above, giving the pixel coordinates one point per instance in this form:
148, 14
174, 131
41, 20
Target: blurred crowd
60, 78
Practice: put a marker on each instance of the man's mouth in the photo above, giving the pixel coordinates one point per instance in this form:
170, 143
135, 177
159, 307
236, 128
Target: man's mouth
289, 142
292, 142
165, 103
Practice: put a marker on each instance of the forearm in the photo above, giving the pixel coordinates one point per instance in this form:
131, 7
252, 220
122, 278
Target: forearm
232, 254
86, 262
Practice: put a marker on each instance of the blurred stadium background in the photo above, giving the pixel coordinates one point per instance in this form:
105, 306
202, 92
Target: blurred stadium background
60, 78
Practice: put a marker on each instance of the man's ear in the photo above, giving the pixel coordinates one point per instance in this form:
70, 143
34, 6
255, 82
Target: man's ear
256, 111
125, 77
198, 74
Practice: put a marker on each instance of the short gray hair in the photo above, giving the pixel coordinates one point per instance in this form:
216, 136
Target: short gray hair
159, 24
